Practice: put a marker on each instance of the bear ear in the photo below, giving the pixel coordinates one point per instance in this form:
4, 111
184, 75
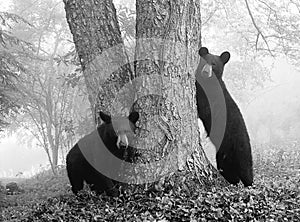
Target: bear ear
133, 117
225, 56
203, 51
106, 118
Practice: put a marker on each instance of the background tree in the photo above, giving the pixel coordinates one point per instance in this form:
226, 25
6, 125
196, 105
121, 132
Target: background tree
10, 66
50, 98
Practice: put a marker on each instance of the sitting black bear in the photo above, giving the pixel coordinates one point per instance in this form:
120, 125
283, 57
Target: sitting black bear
116, 135
234, 158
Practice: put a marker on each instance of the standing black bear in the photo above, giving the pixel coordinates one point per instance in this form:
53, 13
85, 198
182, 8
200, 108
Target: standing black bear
214, 104
116, 135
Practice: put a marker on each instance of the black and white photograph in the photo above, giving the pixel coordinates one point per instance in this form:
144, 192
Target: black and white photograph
149, 110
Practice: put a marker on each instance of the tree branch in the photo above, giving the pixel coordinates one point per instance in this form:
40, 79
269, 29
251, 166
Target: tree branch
257, 28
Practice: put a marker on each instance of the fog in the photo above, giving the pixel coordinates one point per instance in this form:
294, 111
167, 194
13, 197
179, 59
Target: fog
16, 157
271, 112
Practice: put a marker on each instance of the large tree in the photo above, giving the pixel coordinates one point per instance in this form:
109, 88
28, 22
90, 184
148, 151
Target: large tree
162, 84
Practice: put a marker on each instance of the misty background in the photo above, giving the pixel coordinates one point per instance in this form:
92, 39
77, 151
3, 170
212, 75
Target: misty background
265, 85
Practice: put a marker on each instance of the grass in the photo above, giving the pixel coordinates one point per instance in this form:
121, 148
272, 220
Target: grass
275, 196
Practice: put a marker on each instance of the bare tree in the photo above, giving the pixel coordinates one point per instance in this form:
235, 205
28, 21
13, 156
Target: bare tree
46, 106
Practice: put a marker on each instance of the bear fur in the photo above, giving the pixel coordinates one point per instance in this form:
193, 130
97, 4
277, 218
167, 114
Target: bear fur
234, 157
116, 135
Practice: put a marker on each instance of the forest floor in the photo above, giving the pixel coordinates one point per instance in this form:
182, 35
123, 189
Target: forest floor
275, 196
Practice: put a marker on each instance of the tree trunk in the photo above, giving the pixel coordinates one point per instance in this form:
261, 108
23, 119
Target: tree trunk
52, 125
99, 44
168, 36
55, 156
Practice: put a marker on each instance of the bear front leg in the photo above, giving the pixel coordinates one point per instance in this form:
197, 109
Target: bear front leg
76, 183
75, 178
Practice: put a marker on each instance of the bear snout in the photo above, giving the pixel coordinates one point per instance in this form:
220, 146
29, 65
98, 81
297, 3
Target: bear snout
207, 71
122, 141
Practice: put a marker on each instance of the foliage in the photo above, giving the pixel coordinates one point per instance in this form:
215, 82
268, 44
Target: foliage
11, 48
41, 187
275, 196
280, 158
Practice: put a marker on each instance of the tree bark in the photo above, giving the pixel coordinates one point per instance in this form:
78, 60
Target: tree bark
99, 44
168, 37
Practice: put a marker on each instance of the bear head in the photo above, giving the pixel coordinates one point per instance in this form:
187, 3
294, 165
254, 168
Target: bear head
119, 130
210, 63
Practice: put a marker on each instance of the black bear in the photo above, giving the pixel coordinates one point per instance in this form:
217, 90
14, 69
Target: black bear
116, 135
222, 119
